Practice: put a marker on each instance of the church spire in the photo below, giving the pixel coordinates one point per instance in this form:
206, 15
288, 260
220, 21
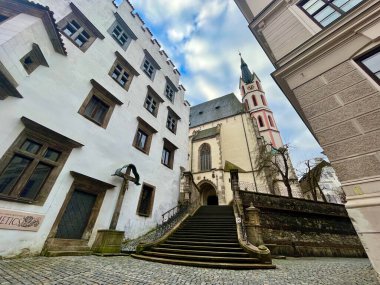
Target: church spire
246, 75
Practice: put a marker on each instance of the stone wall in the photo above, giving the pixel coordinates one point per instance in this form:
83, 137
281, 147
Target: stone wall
297, 227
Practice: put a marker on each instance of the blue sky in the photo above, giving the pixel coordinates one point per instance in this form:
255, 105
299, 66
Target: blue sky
203, 39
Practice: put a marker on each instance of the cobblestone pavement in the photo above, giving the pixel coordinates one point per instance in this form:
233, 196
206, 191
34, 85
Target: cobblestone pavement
126, 270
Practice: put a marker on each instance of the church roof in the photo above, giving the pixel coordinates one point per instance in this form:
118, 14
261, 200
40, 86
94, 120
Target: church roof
246, 74
207, 133
216, 109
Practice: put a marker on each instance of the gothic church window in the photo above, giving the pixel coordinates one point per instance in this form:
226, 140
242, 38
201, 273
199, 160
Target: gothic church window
254, 100
271, 121
205, 157
246, 105
260, 120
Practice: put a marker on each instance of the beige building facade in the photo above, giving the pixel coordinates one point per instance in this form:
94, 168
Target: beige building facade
327, 59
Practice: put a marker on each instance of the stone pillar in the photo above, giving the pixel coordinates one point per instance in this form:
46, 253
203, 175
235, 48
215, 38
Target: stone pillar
253, 225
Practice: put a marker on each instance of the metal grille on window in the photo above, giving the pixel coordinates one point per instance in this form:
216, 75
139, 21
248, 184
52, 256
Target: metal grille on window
326, 11
120, 35
205, 157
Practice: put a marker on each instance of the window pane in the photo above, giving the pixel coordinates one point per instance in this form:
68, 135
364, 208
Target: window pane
35, 182
350, 4
330, 19
165, 157
96, 109
141, 139
80, 40
12, 173
324, 13
31, 146
313, 8
146, 200
373, 62
52, 154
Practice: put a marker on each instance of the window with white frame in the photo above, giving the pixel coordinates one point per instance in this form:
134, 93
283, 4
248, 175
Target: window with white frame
171, 123
120, 75
169, 92
151, 104
324, 12
119, 35
76, 33
148, 68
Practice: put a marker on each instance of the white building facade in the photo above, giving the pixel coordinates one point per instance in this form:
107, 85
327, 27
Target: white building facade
83, 93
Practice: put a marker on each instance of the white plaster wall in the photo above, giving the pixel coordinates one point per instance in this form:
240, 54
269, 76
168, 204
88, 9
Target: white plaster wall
53, 96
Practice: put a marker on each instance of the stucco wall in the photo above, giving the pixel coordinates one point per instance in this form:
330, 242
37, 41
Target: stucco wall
53, 96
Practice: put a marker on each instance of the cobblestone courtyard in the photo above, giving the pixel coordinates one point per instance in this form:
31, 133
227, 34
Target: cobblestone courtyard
126, 270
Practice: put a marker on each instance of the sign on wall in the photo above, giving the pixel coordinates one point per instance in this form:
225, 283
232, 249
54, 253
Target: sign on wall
22, 221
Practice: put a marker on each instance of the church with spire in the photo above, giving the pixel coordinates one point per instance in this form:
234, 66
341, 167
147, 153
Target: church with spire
226, 133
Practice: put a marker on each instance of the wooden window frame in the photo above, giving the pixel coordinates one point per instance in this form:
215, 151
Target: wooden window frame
155, 97
326, 4
171, 86
48, 139
148, 130
170, 148
127, 67
37, 58
151, 202
103, 95
364, 56
148, 58
172, 116
85, 25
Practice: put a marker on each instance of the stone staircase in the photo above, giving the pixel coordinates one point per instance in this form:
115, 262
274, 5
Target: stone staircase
207, 239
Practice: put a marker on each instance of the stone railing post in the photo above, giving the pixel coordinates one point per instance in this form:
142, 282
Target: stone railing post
253, 225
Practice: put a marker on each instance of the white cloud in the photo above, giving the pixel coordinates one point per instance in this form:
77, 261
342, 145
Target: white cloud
204, 38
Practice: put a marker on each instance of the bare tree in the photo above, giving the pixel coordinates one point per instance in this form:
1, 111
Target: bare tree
276, 163
311, 176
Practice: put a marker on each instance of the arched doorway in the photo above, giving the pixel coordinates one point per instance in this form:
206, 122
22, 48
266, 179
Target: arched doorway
208, 193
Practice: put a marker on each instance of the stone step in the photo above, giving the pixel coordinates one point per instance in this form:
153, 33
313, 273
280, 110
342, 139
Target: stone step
209, 252
206, 243
201, 257
67, 253
202, 247
221, 265
205, 238
202, 235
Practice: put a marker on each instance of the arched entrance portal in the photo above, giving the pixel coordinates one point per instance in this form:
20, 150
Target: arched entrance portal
208, 192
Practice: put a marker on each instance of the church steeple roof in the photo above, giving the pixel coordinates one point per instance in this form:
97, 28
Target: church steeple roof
246, 75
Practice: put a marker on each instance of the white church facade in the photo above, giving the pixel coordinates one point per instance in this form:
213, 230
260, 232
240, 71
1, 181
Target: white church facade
82, 94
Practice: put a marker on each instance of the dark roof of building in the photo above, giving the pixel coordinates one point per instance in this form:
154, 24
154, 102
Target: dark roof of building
207, 133
216, 109
246, 74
